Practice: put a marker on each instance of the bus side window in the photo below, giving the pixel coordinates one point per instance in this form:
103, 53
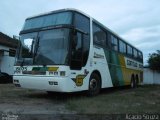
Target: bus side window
140, 56
135, 53
114, 43
122, 46
99, 36
129, 50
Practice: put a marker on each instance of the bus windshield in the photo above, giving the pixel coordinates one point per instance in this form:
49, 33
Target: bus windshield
48, 20
48, 47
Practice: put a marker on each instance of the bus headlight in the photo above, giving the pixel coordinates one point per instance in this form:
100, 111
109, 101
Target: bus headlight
53, 83
50, 73
62, 73
16, 81
55, 73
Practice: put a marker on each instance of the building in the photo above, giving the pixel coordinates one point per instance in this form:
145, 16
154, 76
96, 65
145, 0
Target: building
8, 47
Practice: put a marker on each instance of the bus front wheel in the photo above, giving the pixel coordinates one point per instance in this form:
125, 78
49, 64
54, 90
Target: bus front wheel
94, 85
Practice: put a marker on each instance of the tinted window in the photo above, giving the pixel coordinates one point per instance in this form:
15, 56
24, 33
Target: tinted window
114, 43
82, 22
99, 36
135, 53
77, 48
48, 20
53, 47
122, 47
129, 50
140, 56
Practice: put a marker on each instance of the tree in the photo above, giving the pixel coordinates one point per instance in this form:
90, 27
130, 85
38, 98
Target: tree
154, 61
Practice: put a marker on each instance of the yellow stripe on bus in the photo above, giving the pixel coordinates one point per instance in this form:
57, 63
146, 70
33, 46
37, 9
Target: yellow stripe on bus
127, 73
53, 69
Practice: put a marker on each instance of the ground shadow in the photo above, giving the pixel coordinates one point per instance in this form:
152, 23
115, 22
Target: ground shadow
57, 96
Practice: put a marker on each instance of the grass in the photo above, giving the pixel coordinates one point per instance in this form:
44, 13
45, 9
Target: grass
145, 99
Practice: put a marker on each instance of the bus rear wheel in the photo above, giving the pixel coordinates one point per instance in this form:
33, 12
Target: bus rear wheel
94, 85
133, 83
137, 81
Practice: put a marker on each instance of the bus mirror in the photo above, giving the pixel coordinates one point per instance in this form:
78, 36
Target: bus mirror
16, 37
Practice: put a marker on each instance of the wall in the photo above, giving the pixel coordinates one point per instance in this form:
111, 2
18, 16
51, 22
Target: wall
6, 62
150, 77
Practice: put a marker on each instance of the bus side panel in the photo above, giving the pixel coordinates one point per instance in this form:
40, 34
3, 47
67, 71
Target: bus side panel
127, 72
120, 73
114, 68
100, 64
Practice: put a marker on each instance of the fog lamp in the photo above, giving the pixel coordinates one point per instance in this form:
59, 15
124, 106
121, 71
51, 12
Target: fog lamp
16, 81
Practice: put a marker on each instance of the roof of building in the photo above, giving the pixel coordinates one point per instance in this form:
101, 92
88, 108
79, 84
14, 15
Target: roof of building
8, 41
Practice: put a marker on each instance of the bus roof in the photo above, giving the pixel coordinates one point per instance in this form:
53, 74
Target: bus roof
72, 9
56, 11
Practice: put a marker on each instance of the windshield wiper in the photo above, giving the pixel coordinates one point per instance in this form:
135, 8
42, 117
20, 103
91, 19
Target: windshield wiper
81, 31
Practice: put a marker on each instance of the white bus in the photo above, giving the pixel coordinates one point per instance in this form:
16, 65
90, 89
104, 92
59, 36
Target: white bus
68, 51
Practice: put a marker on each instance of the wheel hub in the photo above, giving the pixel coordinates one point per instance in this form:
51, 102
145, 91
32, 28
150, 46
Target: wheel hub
93, 84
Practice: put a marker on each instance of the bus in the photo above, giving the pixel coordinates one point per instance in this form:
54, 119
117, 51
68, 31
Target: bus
68, 51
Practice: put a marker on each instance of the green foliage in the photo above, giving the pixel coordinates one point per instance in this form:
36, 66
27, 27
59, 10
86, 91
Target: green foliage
154, 61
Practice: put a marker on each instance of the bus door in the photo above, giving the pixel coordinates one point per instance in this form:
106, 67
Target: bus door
76, 50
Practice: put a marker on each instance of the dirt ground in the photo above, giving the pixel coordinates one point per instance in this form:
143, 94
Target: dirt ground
39, 105
21, 101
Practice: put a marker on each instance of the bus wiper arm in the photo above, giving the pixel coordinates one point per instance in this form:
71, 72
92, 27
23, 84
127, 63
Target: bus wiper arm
81, 31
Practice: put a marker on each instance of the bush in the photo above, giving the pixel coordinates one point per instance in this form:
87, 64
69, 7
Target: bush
154, 61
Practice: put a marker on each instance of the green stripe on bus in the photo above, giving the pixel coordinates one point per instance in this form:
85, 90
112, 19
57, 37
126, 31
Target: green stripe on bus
114, 68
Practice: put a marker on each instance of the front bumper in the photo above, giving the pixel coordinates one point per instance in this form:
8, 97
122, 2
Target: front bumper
47, 83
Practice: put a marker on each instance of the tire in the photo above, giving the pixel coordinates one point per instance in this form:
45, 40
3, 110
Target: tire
50, 93
5, 78
137, 81
94, 85
133, 83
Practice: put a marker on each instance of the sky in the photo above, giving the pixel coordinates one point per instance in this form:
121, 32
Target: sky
137, 21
